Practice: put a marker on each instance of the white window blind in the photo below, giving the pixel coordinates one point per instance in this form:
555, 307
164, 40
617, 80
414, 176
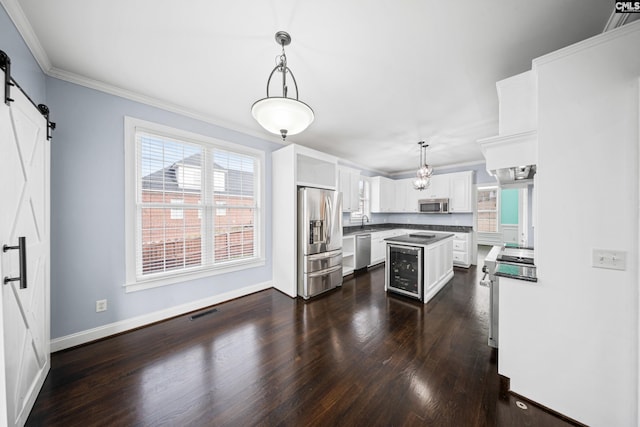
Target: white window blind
488, 204
180, 186
364, 199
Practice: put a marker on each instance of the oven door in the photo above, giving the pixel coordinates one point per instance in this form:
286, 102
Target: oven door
404, 270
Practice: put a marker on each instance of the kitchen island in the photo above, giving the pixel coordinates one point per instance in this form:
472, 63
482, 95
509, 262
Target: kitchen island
418, 264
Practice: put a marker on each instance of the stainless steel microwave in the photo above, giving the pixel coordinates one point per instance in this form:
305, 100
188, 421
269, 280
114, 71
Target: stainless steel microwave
439, 206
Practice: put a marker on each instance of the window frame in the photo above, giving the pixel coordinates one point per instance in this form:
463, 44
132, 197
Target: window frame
135, 282
364, 200
478, 211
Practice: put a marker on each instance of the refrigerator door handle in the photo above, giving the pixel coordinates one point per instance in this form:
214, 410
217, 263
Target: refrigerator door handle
324, 255
329, 227
325, 272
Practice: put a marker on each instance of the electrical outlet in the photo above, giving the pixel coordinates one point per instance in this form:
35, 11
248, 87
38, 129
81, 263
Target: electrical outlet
101, 305
615, 260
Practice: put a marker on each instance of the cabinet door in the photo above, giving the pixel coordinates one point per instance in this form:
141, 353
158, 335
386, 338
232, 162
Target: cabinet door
406, 197
354, 188
378, 246
412, 197
376, 195
439, 187
315, 172
344, 186
461, 194
400, 189
348, 184
387, 195
382, 194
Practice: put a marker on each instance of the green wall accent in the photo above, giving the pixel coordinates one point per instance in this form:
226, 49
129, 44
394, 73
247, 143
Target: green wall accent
509, 206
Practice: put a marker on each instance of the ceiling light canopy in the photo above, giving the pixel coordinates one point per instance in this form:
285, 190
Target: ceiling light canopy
279, 114
423, 175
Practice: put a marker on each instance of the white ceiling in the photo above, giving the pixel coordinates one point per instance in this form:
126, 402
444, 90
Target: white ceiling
380, 75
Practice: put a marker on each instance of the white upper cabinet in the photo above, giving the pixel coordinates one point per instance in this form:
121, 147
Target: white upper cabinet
312, 171
389, 195
438, 189
349, 185
406, 197
382, 194
412, 196
460, 192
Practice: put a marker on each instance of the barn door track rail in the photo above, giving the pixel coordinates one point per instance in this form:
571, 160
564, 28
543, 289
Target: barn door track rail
9, 82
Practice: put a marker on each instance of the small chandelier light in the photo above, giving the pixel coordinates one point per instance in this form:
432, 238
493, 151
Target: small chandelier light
425, 171
279, 114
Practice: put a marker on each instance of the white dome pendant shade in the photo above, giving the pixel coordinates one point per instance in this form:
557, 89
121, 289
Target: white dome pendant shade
279, 114
282, 116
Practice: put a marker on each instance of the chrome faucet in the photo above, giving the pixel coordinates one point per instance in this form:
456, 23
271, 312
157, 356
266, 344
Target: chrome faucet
362, 224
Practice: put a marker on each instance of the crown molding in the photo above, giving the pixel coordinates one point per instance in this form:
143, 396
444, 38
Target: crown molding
442, 167
154, 102
16, 14
615, 20
587, 44
25, 29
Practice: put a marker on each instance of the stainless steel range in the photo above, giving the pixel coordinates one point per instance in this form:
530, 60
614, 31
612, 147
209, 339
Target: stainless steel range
505, 261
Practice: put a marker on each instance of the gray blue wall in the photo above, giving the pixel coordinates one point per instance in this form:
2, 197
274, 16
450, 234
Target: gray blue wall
87, 211
24, 67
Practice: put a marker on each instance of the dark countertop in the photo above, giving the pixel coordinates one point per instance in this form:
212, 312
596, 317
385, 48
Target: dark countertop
371, 228
418, 240
514, 271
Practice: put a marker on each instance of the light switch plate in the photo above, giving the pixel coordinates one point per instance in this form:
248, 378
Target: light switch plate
604, 258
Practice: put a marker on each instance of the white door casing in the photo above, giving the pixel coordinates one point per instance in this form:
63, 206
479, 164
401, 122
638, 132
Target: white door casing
523, 216
24, 192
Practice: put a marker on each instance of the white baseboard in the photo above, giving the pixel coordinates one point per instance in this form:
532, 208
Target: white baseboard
89, 335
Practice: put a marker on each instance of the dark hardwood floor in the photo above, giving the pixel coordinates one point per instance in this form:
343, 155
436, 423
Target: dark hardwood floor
352, 357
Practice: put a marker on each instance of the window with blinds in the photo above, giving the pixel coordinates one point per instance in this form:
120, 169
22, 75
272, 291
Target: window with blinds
196, 205
488, 210
364, 200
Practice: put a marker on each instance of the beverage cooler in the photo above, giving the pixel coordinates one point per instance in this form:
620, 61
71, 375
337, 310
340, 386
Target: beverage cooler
404, 270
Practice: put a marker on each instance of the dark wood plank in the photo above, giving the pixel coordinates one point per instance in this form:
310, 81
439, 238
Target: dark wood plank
355, 356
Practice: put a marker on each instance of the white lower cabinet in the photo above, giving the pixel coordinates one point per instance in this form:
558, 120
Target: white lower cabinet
379, 245
462, 249
378, 249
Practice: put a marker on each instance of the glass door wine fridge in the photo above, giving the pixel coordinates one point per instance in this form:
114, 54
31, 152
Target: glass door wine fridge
404, 270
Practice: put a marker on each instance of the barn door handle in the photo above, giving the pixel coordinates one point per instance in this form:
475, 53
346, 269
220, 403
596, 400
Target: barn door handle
22, 254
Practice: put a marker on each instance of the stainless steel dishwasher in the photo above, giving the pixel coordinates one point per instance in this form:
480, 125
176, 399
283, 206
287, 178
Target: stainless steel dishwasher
363, 251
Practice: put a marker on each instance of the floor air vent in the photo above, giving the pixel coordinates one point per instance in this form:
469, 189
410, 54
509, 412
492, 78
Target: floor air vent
204, 313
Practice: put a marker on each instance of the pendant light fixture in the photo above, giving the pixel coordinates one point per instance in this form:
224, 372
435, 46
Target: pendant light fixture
280, 114
423, 175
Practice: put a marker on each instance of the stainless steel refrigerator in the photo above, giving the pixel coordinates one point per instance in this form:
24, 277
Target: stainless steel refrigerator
319, 241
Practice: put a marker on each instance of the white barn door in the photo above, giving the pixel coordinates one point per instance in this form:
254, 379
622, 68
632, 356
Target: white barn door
24, 212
